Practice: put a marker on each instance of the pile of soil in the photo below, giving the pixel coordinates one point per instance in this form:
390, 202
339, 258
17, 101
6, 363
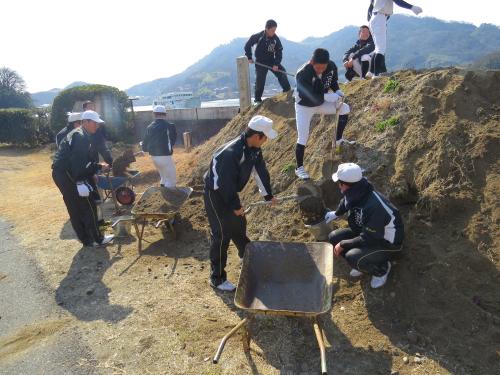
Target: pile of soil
160, 200
122, 162
438, 162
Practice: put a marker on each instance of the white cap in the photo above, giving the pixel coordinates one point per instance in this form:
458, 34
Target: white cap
159, 109
92, 115
348, 172
264, 125
74, 116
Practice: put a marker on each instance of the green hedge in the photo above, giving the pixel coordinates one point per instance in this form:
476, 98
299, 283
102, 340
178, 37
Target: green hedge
114, 108
24, 127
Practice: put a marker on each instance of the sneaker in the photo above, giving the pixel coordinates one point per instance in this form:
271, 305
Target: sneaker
379, 281
302, 174
257, 102
226, 286
355, 273
341, 141
106, 240
369, 75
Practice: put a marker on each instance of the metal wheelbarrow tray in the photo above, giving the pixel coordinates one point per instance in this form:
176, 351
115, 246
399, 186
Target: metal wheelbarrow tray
141, 218
288, 279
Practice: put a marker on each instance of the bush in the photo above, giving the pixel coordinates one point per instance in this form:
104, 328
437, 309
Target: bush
112, 105
24, 127
392, 85
390, 123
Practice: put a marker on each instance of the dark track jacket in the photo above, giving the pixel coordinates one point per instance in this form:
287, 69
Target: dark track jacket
268, 51
376, 221
74, 156
362, 47
99, 146
63, 133
231, 168
160, 138
311, 88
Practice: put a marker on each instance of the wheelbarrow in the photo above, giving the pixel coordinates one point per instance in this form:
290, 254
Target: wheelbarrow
108, 184
165, 216
284, 279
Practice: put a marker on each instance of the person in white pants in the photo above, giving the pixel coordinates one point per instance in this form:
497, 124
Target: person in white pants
159, 143
357, 58
317, 92
378, 14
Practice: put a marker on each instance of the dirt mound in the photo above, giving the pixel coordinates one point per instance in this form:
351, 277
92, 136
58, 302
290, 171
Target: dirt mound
430, 143
160, 200
122, 162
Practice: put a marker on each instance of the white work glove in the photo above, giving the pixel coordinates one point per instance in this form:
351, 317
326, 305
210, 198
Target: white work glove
330, 216
84, 189
339, 93
417, 10
331, 97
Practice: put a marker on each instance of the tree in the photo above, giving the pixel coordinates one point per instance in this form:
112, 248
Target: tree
13, 92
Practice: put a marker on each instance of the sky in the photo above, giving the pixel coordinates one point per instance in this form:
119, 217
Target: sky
121, 43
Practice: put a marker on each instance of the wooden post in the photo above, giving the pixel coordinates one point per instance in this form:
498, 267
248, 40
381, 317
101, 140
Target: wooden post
187, 141
244, 82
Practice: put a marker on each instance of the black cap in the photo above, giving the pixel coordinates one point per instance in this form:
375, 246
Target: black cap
270, 24
321, 56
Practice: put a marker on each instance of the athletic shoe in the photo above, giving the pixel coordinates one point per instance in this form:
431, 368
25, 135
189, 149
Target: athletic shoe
369, 75
226, 286
257, 102
355, 273
341, 141
302, 174
379, 281
106, 240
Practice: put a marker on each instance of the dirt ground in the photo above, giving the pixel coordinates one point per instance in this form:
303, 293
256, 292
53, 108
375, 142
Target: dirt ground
154, 313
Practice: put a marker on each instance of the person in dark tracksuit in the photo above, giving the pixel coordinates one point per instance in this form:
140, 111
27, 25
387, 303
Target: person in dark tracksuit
72, 171
376, 231
98, 139
357, 58
268, 51
74, 121
159, 142
229, 172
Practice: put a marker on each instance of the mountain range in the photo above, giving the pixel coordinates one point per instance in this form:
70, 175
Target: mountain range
412, 43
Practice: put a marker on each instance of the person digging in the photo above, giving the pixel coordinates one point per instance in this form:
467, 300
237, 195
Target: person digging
268, 51
317, 92
229, 171
376, 231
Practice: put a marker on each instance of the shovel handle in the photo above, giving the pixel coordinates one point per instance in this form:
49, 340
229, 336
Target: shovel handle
271, 68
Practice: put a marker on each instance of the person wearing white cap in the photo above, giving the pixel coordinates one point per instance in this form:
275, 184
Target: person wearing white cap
74, 121
159, 142
73, 171
376, 231
229, 171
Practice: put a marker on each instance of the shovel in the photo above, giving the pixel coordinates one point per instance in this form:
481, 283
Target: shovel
271, 68
329, 166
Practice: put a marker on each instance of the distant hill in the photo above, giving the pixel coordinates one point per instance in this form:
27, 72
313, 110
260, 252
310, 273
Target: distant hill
47, 97
413, 43
489, 61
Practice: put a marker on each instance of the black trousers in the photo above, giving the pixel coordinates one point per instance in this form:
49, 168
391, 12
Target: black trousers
82, 211
260, 80
370, 260
224, 227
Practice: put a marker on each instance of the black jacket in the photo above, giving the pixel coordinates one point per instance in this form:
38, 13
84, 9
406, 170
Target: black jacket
311, 88
63, 133
230, 170
99, 146
74, 156
160, 138
269, 51
362, 47
370, 215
